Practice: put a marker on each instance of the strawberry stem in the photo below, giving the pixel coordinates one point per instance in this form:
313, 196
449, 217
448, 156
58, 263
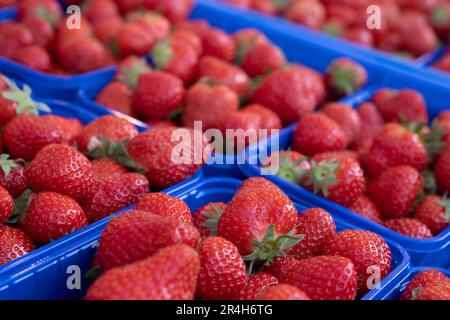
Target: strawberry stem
161, 54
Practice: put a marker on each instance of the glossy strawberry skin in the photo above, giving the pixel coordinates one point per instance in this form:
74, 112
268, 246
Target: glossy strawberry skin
105, 167
12, 37
51, 216
433, 213
423, 279
364, 207
256, 286
442, 171
409, 227
199, 218
346, 117
371, 121
174, 10
436, 292
61, 169
33, 57
152, 231
14, 244
171, 274
15, 182
222, 273
284, 292
71, 128
162, 204
281, 267
7, 109
218, 44
6, 204
117, 96
262, 59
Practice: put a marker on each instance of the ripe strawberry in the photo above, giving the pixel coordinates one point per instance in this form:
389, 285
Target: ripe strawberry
207, 217
218, 44
440, 19
105, 167
336, 155
340, 13
161, 123
117, 96
371, 121
442, 171
245, 38
281, 267
177, 58
50, 216
42, 32
13, 36
325, 278
422, 280
6, 204
158, 95
14, 243
307, 13
268, 119
12, 176
442, 124
345, 76
318, 228
434, 211
280, 92
106, 30
8, 109
284, 292
409, 227
96, 10
395, 145
113, 193
170, 274
33, 57
268, 6
62, 169
347, 117
151, 231
128, 5
222, 272
65, 32
260, 59
130, 69
220, 72
44, 9
364, 207
366, 250
317, 133
210, 104
404, 184
103, 131
190, 38
133, 39
162, 204
435, 292
290, 165
360, 36
174, 10
199, 27
256, 286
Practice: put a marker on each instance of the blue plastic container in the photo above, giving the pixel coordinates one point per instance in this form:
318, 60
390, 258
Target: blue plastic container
50, 269
432, 252
393, 290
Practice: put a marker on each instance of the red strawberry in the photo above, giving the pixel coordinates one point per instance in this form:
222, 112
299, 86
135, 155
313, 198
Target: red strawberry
218, 44
158, 95
62, 169
442, 171
105, 167
190, 38
222, 272
13, 36
113, 193
65, 32
261, 59
268, 119
210, 104
268, 6
281, 267
409, 227
50, 216
133, 39
70, 127
371, 121
207, 217
290, 165
130, 69
49, 10
117, 96
404, 184
364, 207
155, 26
442, 125
199, 27
14, 243
42, 31
345, 76
434, 211
280, 92
8, 109
325, 278
162, 204
422, 280
170, 274
318, 228
33, 57
395, 145
435, 292
307, 13
220, 72
360, 36
336, 155
12, 176
284, 292
107, 29
151, 231
96, 10
347, 117
174, 10
440, 19
256, 286
366, 250
128, 5
317, 133
6, 204
245, 38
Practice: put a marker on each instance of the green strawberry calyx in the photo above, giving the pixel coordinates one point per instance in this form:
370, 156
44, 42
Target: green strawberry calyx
20, 208
131, 73
322, 175
161, 54
290, 170
271, 246
344, 79
445, 203
212, 218
25, 104
6, 164
439, 17
47, 15
243, 48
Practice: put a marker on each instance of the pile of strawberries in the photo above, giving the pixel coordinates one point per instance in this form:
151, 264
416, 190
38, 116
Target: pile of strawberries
7, 3
380, 160
408, 28
56, 175
428, 285
254, 247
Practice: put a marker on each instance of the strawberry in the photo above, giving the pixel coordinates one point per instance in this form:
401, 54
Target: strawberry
256, 286
62, 169
175, 57
64, 33
207, 217
442, 171
198, 27
280, 92
260, 220
245, 38
6, 204
222, 272
268, 118
8, 109
117, 96
261, 59
284, 292
106, 30
435, 292
210, 104
269, 7
345, 76
130, 69
313, 276
152, 232
318, 227
422, 280
412, 228
440, 19
339, 180
14, 243
371, 121
281, 267
50, 216
340, 13
174, 10
170, 274
218, 44
13, 36
442, 125
42, 32
291, 165
133, 39
359, 36
96, 10
128, 5
156, 27
365, 249
12, 176
434, 211
221, 72
336, 155
162, 204
307, 13
105, 167
113, 193
347, 117
190, 38
364, 207
70, 127
317, 133
49, 10
158, 95
104, 131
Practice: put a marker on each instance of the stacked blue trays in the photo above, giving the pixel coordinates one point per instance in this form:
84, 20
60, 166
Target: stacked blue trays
435, 251
52, 277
